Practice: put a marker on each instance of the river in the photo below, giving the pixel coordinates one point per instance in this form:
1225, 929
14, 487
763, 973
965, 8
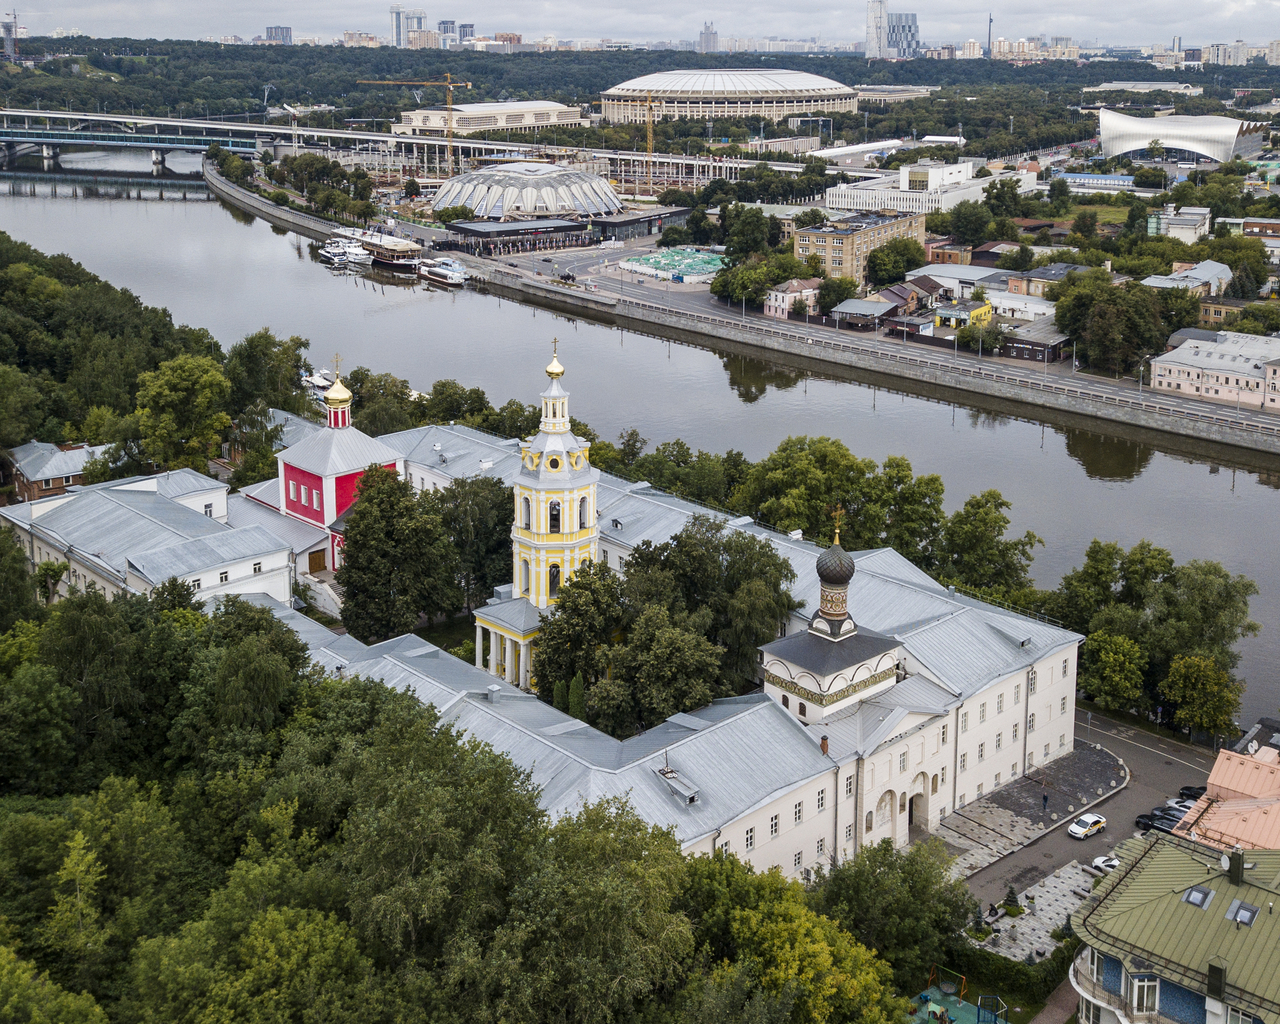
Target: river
217, 268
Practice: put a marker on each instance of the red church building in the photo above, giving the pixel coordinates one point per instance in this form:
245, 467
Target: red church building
318, 475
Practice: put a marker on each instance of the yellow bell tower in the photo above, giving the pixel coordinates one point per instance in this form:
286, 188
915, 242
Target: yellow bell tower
553, 534
555, 495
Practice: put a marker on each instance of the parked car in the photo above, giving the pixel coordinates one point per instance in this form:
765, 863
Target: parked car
1181, 806
1106, 863
1086, 825
1191, 792
1143, 822
1165, 811
1164, 825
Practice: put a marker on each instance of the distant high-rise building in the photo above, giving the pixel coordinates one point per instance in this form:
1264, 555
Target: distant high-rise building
1177, 44
281, 34
708, 38
447, 28
1231, 54
903, 36
877, 28
397, 26
466, 32
1273, 52
514, 38
972, 50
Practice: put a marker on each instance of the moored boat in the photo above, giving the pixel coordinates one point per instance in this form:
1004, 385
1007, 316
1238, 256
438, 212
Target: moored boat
386, 250
437, 272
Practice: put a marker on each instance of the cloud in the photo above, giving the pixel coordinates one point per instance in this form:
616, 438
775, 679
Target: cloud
1125, 23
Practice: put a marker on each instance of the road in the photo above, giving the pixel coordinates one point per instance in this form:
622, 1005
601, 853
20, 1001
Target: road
1159, 767
599, 267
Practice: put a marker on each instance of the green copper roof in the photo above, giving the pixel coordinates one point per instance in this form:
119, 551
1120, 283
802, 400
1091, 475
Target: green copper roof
1138, 914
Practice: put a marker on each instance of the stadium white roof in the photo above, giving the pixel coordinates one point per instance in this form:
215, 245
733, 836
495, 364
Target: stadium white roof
742, 83
530, 190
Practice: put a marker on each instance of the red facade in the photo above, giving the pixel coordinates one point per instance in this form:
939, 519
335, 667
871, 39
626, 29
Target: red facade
294, 480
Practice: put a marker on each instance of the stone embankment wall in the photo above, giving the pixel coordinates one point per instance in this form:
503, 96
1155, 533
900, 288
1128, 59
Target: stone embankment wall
303, 223
1073, 396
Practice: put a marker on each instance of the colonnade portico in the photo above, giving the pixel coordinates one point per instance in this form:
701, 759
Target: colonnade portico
510, 658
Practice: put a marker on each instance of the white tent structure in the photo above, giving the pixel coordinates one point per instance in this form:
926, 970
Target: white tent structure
1218, 138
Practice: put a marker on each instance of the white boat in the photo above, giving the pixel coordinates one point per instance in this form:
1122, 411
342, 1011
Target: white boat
355, 252
436, 272
387, 250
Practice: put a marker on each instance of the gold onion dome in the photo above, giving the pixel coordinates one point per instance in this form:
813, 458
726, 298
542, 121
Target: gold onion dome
554, 370
337, 395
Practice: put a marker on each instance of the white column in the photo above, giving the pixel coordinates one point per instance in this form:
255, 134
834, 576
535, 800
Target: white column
508, 659
526, 654
494, 638
479, 646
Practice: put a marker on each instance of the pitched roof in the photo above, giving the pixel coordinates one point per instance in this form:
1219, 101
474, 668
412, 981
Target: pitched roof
825, 657
295, 427
243, 511
333, 451
1138, 914
40, 460
200, 553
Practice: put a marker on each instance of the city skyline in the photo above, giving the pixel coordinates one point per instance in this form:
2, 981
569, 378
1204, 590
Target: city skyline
1129, 25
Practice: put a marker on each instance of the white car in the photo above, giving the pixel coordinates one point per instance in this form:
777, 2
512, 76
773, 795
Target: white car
1107, 864
1180, 805
1086, 825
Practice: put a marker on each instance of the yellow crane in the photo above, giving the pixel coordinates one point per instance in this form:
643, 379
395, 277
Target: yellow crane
449, 85
648, 121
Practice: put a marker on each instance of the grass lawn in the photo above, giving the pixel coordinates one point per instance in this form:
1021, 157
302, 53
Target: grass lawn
1106, 214
449, 633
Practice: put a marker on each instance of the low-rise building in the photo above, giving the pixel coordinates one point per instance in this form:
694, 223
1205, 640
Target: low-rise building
1203, 279
1040, 341
1189, 224
953, 253
1241, 370
1040, 279
1214, 310
963, 313
1265, 228
1180, 933
922, 187
469, 118
1240, 807
41, 469
780, 300
842, 246
129, 536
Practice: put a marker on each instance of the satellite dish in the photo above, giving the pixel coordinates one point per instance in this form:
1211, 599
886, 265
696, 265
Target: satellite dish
1225, 862
1253, 746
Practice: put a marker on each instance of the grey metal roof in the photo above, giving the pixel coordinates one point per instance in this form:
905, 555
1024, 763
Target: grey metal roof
40, 460
335, 450
106, 525
864, 307
517, 614
266, 492
825, 657
171, 484
198, 554
294, 533
458, 451
295, 427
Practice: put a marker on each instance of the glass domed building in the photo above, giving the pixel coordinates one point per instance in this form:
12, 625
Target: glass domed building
519, 191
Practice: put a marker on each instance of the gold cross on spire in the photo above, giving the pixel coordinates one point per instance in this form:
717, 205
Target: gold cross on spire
337, 365
555, 343
838, 516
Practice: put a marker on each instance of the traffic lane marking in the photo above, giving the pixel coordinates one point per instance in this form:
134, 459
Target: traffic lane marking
1163, 753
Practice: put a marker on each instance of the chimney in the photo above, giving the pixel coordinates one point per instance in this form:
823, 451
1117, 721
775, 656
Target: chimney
491, 695
824, 744
1235, 869
1107, 265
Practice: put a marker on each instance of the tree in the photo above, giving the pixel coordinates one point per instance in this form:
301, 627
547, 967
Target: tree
1086, 224
263, 368
975, 552
73, 927
747, 233
674, 235
21, 408
575, 635
477, 514
834, 290
36, 738
27, 996
1060, 194
969, 222
901, 903
1112, 671
576, 702
412, 189
1155, 149
1206, 696
889, 263
398, 562
1002, 199
181, 412
17, 585
451, 213
810, 218
560, 696
1020, 260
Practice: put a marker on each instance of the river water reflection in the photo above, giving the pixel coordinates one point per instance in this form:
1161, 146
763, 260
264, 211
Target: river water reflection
233, 274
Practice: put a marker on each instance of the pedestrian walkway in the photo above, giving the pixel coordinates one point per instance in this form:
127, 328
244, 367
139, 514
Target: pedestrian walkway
1061, 1005
1048, 904
1020, 812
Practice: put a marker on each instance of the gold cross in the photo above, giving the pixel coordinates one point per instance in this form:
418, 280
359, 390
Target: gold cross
554, 343
337, 365
837, 515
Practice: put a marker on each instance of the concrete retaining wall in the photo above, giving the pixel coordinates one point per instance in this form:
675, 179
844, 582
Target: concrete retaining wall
303, 223
1050, 393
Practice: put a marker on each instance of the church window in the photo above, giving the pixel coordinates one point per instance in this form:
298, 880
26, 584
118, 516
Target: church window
933, 785
804, 711
582, 513
869, 821
293, 490
525, 515
786, 701
553, 581
524, 576
553, 463
554, 511
304, 497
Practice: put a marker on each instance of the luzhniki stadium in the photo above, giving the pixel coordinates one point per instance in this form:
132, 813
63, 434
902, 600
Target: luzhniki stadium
745, 92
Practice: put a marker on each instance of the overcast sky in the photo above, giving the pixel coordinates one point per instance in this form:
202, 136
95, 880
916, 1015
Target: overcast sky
1128, 22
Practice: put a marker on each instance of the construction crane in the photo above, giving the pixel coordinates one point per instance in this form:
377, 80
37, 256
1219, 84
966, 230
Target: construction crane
648, 122
449, 85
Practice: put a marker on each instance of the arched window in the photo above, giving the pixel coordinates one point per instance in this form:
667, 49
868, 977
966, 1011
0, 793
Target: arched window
553, 581
933, 786
554, 511
526, 515
582, 514
869, 821
804, 711
902, 802
524, 576
786, 701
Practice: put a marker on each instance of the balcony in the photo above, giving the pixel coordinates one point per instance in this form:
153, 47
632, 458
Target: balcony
1083, 983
